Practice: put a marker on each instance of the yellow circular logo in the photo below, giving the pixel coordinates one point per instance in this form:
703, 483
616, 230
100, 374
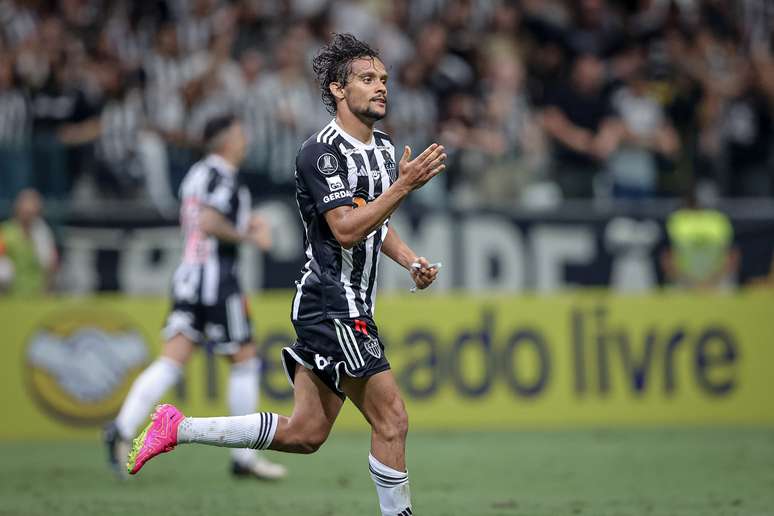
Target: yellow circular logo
81, 364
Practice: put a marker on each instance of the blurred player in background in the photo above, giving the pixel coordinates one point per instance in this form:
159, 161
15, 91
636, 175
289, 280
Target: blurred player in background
208, 305
347, 187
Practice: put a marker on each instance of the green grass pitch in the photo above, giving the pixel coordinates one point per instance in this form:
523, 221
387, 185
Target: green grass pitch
596, 473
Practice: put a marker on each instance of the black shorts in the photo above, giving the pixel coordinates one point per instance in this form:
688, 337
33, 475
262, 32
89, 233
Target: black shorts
334, 347
225, 326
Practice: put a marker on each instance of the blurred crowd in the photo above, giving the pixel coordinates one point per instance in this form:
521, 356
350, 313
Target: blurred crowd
536, 100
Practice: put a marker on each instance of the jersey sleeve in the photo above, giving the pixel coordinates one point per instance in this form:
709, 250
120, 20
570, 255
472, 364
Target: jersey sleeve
321, 168
219, 193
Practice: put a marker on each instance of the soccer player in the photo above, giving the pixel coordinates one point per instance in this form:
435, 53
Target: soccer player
347, 186
208, 305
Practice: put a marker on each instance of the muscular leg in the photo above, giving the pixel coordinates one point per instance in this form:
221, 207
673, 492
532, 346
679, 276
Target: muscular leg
378, 399
315, 409
179, 348
246, 352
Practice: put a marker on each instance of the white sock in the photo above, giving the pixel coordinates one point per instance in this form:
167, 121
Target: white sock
243, 399
392, 486
145, 392
254, 431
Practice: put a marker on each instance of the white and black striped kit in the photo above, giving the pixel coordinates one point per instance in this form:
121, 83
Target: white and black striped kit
208, 263
17, 23
121, 121
332, 169
274, 141
208, 304
15, 118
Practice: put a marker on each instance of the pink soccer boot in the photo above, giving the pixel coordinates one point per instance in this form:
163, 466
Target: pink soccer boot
160, 436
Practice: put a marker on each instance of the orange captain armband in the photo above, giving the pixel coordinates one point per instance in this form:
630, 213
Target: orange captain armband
358, 202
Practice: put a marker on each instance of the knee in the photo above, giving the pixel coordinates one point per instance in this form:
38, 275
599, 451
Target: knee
308, 439
311, 443
392, 425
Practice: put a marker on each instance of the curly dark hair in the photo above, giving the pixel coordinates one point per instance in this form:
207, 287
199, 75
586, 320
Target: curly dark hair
332, 64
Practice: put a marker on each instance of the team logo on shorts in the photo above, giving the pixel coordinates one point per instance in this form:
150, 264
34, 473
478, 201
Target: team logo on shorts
81, 364
372, 346
327, 164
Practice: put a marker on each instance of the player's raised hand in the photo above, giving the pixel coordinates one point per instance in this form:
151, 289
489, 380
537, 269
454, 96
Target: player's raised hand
418, 171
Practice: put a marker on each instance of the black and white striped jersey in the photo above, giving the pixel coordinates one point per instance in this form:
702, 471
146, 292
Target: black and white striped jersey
208, 271
121, 121
333, 168
15, 119
273, 139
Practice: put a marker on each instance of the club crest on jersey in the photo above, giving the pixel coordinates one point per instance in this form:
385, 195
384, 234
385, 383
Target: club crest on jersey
392, 170
334, 183
327, 164
372, 346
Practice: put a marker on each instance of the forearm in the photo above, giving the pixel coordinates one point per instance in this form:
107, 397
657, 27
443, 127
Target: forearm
352, 225
226, 233
217, 226
80, 133
574, 137
398, 250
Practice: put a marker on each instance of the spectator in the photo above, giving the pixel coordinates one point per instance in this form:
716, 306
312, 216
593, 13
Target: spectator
458, 123
15, 122
49, 70
496, 143
596, 30
579, 117
413, 117
252, 63
710, 70
18, 22
446, 72
218, 91
392, 35
286, 100
747, 133
508, 132
114, 133
701, 254
125, 34
28, 245
718, 71
648, 137
196, 24
167, 73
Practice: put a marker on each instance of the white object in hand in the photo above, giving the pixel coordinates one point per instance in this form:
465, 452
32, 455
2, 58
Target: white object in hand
417, 265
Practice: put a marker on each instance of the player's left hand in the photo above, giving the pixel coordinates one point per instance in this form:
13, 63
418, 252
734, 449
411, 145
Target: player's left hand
259, 230
425, 275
